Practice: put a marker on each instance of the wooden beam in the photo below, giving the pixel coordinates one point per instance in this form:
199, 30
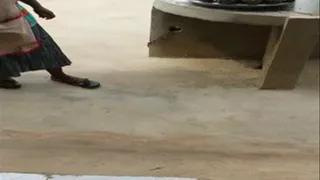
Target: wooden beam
288, 50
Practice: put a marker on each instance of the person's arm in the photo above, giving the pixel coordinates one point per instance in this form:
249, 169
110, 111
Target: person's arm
39, 9
33, 3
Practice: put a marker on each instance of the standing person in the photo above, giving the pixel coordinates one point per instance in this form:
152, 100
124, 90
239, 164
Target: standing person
47, 57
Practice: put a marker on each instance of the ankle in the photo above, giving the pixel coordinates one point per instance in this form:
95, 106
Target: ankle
5, 78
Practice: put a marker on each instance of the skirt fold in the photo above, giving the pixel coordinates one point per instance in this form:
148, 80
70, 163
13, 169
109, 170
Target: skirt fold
48, 56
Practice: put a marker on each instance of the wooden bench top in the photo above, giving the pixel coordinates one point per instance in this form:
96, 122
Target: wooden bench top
186, 9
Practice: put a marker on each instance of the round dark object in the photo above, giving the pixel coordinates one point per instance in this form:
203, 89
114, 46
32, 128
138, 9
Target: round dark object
274, 1
208, 1
228, 1
251, 1
175, 29
263, 6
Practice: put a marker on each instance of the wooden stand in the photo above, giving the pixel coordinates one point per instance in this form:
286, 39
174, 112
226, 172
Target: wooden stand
289, 47
292, 38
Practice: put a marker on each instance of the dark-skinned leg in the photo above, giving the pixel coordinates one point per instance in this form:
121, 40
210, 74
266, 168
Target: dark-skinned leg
58, 75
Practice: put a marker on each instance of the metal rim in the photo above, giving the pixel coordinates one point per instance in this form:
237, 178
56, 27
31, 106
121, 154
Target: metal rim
239, 5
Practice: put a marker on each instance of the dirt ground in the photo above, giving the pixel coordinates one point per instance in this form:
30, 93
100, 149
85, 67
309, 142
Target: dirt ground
161, 117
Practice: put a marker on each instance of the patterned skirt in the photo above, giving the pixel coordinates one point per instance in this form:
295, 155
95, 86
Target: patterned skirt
48, 56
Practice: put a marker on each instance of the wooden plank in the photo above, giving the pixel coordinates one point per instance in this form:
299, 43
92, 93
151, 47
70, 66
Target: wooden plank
287, 52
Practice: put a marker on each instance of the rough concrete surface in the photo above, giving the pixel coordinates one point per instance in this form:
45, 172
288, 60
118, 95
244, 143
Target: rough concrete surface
154, 117
25, 176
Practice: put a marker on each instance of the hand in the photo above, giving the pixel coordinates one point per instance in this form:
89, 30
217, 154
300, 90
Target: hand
44, 13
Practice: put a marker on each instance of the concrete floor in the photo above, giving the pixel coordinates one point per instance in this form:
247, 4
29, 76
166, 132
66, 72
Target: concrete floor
158, 117
25, 176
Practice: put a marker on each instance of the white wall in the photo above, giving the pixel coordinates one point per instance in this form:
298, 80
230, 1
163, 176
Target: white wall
307, 6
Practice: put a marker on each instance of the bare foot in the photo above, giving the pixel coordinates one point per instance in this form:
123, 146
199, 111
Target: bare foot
58, 75
76, 81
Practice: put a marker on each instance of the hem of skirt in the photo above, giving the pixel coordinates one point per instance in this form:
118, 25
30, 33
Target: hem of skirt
18, 74
38, 45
